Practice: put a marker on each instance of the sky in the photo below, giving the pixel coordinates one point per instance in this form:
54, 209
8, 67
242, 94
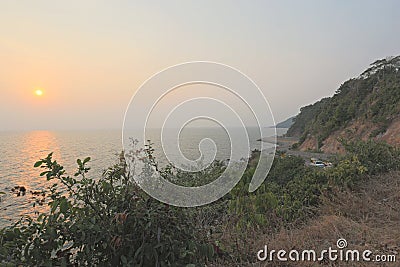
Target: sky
89, 57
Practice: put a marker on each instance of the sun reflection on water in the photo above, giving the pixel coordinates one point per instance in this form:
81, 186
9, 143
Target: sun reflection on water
21, 154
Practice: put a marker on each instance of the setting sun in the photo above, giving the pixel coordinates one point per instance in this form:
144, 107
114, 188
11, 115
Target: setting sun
38, 92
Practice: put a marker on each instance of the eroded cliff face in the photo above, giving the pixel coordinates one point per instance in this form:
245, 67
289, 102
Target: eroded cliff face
357, 130
392, 135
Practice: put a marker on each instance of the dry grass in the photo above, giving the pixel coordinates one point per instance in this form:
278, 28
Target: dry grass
368, 218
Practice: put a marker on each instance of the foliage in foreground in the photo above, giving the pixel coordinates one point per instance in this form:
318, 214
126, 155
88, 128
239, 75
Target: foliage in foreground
291, 191
110, 221
102, 222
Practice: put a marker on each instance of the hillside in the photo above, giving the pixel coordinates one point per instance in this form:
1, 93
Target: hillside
364, 107
286, 123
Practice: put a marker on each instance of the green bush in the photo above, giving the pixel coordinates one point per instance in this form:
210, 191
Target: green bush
376, 156
286, 194
347, 173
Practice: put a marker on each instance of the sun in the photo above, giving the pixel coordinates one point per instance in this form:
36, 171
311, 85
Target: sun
38, 92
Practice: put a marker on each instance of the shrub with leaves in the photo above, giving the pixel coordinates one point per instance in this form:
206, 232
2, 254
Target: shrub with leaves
376, 156
101, 222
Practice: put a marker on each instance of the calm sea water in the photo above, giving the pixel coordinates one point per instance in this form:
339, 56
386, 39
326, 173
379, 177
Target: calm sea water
19, 151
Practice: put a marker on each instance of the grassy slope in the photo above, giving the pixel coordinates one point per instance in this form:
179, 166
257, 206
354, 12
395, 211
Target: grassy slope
367, 217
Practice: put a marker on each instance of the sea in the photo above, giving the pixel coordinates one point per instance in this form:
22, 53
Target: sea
20, 150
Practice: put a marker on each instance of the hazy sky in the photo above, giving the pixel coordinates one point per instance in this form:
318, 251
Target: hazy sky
89, 57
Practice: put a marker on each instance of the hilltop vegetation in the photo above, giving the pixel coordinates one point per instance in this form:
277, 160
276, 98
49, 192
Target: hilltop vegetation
364, 107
